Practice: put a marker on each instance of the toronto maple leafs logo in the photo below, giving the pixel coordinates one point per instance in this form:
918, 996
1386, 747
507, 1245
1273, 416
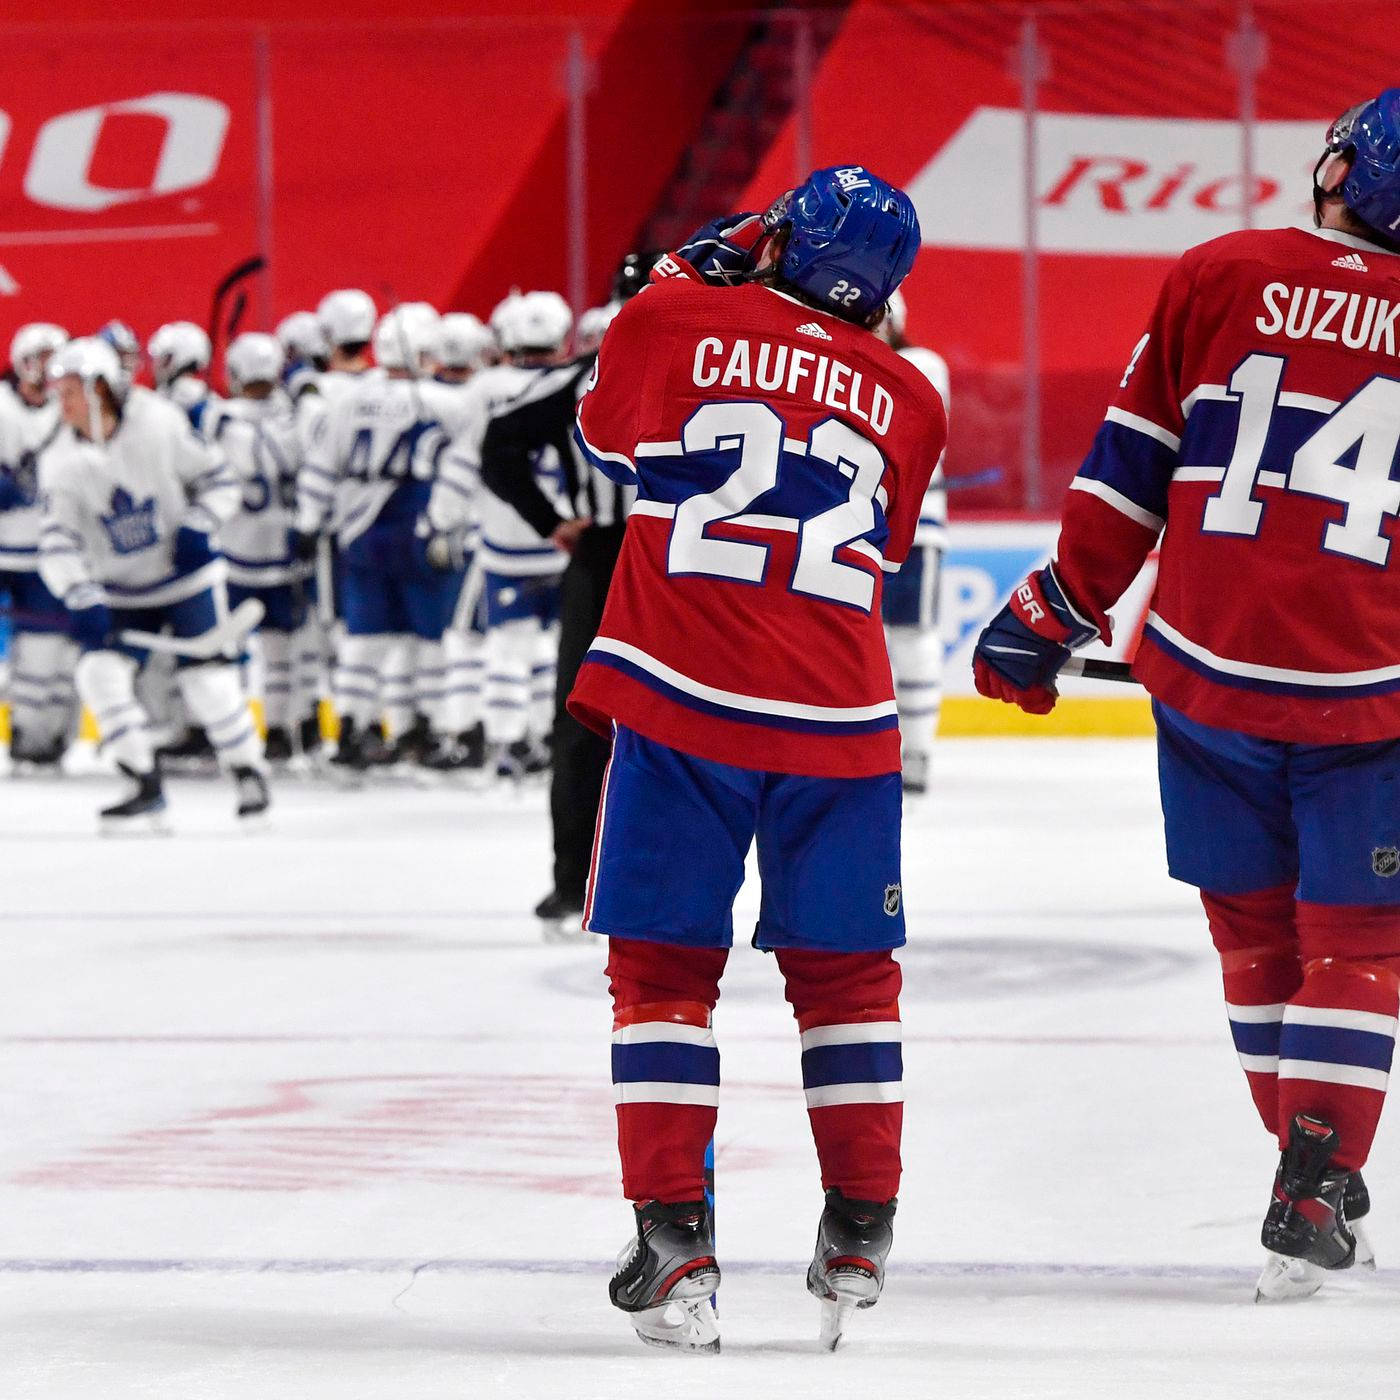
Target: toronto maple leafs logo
132, 523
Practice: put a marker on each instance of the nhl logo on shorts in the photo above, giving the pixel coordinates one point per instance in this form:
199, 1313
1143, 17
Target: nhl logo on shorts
892, 895
1385, 861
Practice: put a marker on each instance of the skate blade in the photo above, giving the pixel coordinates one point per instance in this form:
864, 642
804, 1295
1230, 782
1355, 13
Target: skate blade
1365, 1252
847, 1290
1286, 1280
835, 1317
153, 824
682, 1324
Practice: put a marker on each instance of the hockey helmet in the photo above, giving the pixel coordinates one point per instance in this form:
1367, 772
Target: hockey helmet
30, 350
406, 337
537, 322
347, 317
178, 347
851, 240
253, 358
463, 342
302, 338
1369, 134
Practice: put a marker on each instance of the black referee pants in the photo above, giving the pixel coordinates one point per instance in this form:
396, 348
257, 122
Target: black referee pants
580, 755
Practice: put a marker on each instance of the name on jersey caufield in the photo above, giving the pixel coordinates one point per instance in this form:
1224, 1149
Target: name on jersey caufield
792, 370
1355, 319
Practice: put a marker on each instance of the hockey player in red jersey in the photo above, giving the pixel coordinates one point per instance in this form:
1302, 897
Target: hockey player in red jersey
1256, 429
780, 453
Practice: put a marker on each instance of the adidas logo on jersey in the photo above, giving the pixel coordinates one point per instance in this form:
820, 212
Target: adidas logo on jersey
811, 328
1351, 261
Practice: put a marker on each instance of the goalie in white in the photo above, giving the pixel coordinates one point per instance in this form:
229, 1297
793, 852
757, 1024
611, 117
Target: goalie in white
132, 497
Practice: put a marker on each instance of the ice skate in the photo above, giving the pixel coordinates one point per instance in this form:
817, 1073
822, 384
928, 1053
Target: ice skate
141, 814
1356, 1206
667, 1275
191, 752
560, 918
351, 759
277, 747
1306, 1230
253, 797
29, 759
848, 1267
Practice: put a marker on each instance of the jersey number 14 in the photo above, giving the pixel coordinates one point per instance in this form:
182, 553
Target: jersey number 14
1349, 459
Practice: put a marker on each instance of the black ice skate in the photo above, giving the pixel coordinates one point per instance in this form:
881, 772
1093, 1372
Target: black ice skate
34, 758
277, 747
413, 745
141, 814
378, 751
443, 755
309, 734
848, 1267
190, 753
1306, 1230
667, 1275
473, 742
560, 917
351, 756
253, 796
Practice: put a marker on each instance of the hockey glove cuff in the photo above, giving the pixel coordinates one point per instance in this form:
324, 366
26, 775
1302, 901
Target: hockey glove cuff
89, 621
1021, 650
193, 548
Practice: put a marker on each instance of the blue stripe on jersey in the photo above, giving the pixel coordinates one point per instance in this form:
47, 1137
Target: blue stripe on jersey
1267, 687
665, 1062
1256, 1037
866, 1062
1133, 464
737, 714
1335, 1046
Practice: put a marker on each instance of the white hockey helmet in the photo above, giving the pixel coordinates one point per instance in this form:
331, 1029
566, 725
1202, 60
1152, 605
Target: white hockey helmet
178, 347
253, 358
90, 359
302, 338
347, 317
538, 321
463, 342
593, 326
31, 348
407, 337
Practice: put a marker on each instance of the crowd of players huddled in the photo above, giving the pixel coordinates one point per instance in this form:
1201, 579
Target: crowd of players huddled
331, 472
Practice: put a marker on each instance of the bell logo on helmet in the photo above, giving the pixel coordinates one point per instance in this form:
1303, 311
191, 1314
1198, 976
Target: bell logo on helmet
852, 177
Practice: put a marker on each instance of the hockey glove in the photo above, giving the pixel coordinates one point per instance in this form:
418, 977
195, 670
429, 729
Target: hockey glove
89, 620
726, 251
11, 494
445, 551
193, 548
1022, 648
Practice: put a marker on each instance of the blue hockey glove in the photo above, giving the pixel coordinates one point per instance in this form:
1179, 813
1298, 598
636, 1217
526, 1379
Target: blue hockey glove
11, 494
1022, 648
89, 619
301, 545
193, 548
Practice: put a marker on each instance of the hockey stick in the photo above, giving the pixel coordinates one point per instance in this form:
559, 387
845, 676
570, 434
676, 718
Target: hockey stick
225, 639
1089, 669
249, 267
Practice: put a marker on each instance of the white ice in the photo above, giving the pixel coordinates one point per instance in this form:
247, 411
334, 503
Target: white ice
316, 1114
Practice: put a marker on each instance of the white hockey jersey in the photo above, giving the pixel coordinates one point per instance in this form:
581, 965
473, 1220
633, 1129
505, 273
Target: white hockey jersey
24, 433
260, 439
933, 515
506, 543
111, 510
380, 433
192, 394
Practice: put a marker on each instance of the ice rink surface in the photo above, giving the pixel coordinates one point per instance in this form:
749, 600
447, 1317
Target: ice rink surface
315, 1113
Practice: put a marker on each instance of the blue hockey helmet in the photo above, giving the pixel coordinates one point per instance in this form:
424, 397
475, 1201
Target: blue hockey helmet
1370, 134
851, 241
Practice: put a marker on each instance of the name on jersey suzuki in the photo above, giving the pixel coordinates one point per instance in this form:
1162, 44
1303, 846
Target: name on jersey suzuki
1357, 320
792, 370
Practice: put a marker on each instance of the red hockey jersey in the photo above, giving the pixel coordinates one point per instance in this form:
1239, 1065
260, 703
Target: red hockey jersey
780, 456
1258, 422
